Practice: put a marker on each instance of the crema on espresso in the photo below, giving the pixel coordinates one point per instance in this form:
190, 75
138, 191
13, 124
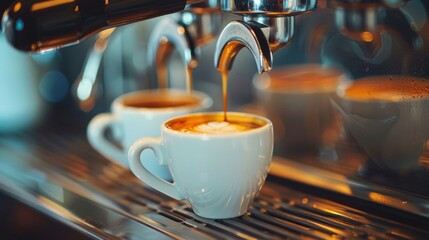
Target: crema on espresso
387, 88
161, 99
215, 124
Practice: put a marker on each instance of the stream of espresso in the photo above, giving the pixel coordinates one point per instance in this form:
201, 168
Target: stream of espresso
189, 79
224, 93
163, 78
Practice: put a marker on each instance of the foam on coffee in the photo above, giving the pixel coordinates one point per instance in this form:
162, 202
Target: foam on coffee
387, 88
214, 123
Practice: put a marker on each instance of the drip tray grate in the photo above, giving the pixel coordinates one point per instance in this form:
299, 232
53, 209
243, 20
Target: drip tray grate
279, 212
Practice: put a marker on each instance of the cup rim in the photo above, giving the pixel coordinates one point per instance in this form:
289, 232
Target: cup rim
206, 101
346, 83
223, 135
292, 70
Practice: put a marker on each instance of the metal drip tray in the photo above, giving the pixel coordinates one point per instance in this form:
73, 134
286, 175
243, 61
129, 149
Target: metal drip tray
66, 179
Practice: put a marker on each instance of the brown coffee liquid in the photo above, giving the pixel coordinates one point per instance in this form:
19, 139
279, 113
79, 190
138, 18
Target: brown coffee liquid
160, 100
162, 73
214, 124
163, 78
388, 88
159, 104
224, 94
189, 79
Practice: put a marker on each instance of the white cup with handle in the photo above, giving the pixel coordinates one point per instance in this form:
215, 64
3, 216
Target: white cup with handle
140, 114
218, 166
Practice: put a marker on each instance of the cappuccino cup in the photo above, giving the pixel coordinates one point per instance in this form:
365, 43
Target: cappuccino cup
388, 116
219, 167
297, 99
141, 114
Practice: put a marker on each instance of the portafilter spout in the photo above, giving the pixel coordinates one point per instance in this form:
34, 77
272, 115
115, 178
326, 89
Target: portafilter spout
234, 37
267, 27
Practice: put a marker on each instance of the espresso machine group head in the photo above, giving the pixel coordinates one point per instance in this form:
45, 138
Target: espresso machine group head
267, 26
40, 25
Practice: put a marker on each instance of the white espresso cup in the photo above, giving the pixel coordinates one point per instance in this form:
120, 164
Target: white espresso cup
141, 114
388, 116
297, 99
218, 167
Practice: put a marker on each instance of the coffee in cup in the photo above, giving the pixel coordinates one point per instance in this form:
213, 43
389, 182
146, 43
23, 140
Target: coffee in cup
214, 124
388, 117
218, 166
140, 114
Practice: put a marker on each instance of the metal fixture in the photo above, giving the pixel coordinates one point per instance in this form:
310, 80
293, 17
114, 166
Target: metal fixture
364, 21
84, 87
196, 26
39, 25
267, 27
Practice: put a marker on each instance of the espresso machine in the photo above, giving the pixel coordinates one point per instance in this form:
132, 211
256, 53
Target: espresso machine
342, 168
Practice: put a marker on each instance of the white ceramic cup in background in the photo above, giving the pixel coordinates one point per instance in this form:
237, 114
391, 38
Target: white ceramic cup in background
297, 99
219, 174
137, 115
21, 106
388, 116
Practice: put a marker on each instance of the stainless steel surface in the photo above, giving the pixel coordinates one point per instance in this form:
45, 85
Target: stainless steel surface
275, 19
203, 22
38, 26
84, 86
63, 177
237, 35
405, 198
390, 3
366, 21
280, 29
268, 7
354, 22
360, 198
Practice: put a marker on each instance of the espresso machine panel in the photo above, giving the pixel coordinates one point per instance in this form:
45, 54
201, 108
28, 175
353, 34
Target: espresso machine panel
344, 82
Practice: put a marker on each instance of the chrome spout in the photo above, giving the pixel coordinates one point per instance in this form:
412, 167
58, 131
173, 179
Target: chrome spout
84, 90
237, 35
196, 26
167, 36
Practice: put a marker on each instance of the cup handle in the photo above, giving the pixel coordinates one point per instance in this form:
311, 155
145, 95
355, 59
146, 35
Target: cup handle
95, 133
143, 174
